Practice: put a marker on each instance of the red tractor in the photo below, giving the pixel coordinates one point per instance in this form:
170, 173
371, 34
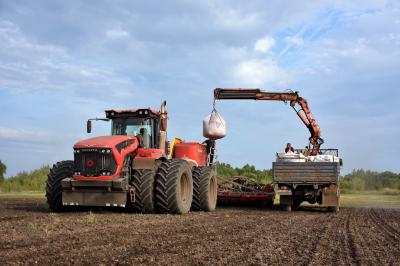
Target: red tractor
133, 169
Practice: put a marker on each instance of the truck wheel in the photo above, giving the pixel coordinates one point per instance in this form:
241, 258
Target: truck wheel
296, 203
269, 203
287, 208
333, 208
174, 187
143, 182
59, 171
205, 189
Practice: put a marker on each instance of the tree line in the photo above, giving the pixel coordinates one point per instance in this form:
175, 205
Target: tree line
357, 180
24, 181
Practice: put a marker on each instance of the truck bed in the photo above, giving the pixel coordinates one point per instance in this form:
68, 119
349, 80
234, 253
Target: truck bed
305, 172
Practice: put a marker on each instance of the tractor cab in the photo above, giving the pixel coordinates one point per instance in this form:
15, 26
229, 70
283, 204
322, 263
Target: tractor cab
141, 123
147, 125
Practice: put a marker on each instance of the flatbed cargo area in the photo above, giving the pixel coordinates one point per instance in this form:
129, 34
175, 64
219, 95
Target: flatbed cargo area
306, 172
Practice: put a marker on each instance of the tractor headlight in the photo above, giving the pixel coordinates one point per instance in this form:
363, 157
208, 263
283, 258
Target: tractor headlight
105, 173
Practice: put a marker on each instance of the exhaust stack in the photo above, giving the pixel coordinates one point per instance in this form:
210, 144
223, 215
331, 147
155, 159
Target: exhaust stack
163, 125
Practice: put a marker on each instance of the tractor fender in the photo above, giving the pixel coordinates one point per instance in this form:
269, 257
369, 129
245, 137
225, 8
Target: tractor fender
146, 163
191, 163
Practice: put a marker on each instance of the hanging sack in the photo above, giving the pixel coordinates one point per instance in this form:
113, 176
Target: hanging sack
214, 126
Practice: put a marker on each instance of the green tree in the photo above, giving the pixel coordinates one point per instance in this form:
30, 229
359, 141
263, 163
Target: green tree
3, 169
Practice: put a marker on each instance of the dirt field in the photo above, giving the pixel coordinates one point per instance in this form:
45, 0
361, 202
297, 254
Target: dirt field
29, 234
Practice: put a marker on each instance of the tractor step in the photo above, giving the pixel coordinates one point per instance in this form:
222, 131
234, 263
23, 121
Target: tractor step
108, 193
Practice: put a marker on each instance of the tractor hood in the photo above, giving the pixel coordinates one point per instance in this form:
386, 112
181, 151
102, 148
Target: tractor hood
102, 142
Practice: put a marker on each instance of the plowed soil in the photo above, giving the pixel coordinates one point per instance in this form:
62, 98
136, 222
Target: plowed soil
30, 234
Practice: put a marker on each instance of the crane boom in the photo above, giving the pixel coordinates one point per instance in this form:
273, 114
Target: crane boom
293, 98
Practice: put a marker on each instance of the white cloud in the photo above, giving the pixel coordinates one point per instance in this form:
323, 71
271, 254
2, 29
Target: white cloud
117, 34
295, 40
14, 43
28, 66
264, 44
258, 72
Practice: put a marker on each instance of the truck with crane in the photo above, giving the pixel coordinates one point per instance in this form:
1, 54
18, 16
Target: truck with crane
313, 178
132, 168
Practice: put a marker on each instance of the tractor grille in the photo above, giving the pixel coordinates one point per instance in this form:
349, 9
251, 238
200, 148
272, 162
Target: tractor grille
93, 162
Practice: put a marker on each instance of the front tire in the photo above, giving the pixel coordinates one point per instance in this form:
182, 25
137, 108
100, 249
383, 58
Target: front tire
143, 182
59, 171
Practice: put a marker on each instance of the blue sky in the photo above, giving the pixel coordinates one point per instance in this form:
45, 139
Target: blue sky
62, 62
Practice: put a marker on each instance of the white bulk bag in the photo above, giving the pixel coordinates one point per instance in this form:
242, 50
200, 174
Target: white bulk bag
290, 157
214, 126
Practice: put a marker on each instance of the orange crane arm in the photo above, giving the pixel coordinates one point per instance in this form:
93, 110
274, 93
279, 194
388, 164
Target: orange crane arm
303, 112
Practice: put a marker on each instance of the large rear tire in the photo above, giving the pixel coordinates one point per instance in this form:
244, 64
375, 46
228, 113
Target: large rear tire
205, 189
143, 182
59, 171
174, 187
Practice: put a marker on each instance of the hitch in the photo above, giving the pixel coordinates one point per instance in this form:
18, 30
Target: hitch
132, 194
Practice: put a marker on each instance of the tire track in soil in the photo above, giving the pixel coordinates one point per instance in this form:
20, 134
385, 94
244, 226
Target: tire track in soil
350, 240
335, 245
12, 218
388, 231
300, 236
370, 247
315, 246
348, 251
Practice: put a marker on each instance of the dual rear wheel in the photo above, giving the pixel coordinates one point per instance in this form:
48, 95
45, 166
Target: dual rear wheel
205, 189
175, 188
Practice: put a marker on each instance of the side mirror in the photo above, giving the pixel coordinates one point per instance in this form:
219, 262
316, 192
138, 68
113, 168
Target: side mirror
89, 126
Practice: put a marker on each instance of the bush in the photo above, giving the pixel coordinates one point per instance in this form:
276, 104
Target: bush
27, 181
359, 180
